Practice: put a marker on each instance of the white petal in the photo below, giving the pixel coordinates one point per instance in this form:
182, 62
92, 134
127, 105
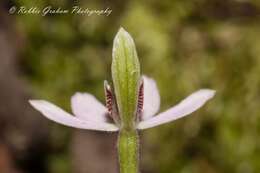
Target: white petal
151, 98
185, 107
58, 115
86, 107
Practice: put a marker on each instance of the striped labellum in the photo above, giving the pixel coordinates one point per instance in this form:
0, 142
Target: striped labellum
140, 102
112, 106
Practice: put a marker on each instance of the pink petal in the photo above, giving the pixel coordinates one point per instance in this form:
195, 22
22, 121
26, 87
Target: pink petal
185, 107
151, 98
86, 107
58, 115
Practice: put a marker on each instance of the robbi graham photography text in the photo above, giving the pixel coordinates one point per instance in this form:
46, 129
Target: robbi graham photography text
50, 10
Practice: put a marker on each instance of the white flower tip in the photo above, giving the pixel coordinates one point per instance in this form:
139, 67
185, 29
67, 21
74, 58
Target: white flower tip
79, 95
76, 95
35, 103
208, 93
106, 85
40, 105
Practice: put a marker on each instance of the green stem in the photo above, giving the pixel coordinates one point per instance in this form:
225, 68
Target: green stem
128, 151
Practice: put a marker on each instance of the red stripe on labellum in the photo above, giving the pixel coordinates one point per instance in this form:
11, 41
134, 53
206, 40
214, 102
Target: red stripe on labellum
109, 101
140, 99
111, 104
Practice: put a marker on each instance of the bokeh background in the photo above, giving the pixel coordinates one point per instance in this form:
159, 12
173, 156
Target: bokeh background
184, 45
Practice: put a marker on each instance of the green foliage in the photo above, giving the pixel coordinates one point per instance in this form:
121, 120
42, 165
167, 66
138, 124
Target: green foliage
184, 45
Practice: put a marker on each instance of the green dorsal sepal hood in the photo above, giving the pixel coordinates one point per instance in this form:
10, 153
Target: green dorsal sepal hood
126, 75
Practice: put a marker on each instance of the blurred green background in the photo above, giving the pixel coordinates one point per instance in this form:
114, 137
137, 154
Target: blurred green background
184, 45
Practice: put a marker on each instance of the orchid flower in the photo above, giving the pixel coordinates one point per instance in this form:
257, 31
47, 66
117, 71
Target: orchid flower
130, 106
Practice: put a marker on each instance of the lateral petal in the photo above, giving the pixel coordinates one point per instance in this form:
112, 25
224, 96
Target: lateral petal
185, 107
58, 115
86, 107
151, 98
